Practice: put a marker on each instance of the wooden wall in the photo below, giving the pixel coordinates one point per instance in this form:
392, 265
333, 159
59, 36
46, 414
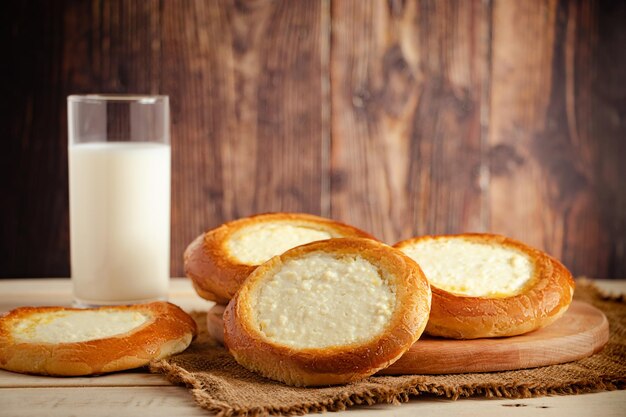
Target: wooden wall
400, 117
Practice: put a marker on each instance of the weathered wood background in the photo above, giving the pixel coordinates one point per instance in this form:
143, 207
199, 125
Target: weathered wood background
400, 117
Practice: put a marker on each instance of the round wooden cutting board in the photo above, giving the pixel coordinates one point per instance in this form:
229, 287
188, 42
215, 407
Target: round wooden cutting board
580, 333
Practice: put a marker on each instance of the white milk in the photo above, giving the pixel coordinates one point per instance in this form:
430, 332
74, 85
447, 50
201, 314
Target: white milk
120, 221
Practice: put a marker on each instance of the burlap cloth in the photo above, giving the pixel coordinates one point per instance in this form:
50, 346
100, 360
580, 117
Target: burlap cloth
221, 386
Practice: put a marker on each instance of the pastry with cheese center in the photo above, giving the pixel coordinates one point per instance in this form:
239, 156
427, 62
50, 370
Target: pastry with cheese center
63, 341
488, 285
219, 260
328, 312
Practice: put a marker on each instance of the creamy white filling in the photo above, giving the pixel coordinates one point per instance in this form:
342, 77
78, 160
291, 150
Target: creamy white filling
471, 268
76, 326
257, 243
320, 300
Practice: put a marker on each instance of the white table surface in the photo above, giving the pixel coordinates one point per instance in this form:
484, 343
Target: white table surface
138, 393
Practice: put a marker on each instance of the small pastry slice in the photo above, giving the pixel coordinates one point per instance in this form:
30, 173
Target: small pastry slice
218, 261
62, 341
328, 312
487, 285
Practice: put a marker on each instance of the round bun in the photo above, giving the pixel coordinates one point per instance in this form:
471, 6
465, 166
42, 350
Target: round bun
328, 312
217, 271
466, 307
63, 341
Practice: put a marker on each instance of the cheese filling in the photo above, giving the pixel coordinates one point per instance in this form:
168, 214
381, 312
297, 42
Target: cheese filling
472, 268
321, 300
255, 244
77, 326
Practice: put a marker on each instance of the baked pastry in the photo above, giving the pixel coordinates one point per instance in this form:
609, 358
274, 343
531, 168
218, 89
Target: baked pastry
328, 312
219, 260
70, 342
486, 285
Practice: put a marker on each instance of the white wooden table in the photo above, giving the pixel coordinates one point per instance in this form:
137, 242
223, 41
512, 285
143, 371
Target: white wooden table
137, 393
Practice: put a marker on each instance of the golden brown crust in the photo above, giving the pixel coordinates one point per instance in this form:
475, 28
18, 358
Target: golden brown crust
169, 330
545, 298
340, 364
216, 275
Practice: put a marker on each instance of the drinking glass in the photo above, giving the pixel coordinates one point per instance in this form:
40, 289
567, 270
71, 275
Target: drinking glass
119, 179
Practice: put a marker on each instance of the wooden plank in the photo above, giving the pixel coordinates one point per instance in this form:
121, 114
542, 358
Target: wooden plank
245, 83
611, 403
407, 81
33, 163
600, 110
111, 47
555, 142
168, 401
39, 292
133, 378
522, 49
99, 401
73, 47
417, 127
245, 86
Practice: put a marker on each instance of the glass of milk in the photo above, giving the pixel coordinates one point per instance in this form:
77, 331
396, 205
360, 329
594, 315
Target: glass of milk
119, 178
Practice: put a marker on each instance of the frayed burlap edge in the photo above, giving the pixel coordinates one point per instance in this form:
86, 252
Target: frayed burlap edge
395, 395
